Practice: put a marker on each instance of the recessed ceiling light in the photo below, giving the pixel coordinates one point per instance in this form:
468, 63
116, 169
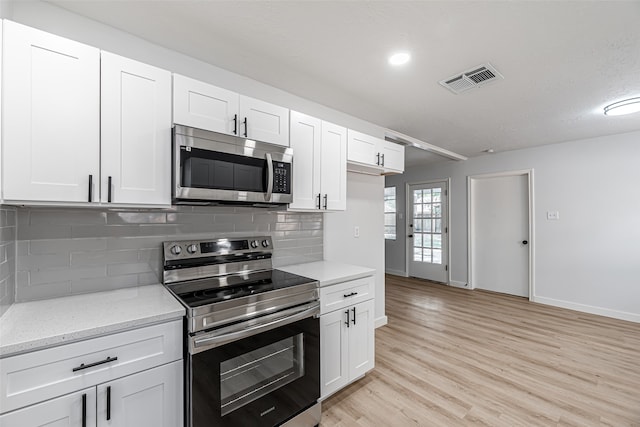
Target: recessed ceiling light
399, 58
628, 106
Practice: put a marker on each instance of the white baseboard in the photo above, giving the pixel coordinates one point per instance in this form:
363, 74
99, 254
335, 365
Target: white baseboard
622, 315
381, 321
396, 272
455, 283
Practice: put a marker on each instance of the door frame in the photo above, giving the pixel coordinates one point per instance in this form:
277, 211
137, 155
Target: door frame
470, 217
407, 217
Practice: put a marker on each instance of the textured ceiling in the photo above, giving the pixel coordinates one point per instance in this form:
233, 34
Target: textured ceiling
562, 60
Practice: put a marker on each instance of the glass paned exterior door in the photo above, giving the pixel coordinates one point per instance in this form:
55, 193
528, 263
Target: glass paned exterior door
427, 229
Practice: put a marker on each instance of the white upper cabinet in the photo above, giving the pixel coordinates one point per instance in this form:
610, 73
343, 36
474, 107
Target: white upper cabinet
305, 141
333, 158
135, 132
209, 107
51, 117
204, 106
320, 164
264, 121
367, 153
392, 157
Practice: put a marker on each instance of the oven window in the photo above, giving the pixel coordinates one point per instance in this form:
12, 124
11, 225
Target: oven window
257, 373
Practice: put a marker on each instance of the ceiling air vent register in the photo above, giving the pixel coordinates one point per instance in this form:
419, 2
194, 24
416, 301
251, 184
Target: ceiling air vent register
476, 77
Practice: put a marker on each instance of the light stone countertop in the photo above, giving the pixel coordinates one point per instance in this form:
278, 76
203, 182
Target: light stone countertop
36, 325
329, 272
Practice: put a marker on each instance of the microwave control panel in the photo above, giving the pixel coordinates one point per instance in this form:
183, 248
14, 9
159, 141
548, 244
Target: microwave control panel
281, 177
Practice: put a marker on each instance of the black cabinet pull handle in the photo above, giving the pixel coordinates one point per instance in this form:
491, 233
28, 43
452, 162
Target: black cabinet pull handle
109, 190
383, 160
90, 188
354, 315
347, 322
84, 410
378, 159
524, 242
325, 201
246, 128
235, 124
108, 403
91, 365
350, 295
319, 195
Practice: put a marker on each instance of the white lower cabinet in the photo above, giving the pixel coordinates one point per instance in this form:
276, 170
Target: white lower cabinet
128, 379
346, 339
151, 398
73, 410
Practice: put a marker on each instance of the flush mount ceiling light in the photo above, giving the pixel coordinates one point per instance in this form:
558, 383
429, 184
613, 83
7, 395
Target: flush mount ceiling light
399, 58
628, 106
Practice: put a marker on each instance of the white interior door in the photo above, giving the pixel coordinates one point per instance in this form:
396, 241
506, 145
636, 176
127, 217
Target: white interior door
427, 231
499, 227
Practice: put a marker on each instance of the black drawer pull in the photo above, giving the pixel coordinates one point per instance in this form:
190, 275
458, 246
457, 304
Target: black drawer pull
349, 295
91, 365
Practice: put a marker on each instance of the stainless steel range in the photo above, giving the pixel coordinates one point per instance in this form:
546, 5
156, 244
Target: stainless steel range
252, 334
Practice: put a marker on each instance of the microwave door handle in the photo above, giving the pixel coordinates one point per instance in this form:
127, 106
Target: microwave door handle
267, 197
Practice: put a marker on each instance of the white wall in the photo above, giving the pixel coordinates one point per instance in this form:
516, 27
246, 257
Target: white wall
365, 209
589, 260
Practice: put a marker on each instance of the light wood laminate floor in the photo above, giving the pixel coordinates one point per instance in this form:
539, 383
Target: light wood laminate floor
453, 357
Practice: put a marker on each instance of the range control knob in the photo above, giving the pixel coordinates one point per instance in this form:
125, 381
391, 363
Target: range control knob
265, 243
192, 249
254, 244
176, 250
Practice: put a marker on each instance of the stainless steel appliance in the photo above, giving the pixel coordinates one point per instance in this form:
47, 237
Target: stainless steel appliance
252, 334
210, 167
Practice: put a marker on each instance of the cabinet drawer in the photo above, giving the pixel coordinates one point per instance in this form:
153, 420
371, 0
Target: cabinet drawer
343, 294
40, 375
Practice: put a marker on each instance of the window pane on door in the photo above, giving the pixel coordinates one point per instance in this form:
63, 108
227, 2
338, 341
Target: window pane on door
417, 254
427, 222
437, 256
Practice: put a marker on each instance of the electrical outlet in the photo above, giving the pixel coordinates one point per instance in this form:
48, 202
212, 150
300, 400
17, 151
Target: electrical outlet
356, 231
553, 215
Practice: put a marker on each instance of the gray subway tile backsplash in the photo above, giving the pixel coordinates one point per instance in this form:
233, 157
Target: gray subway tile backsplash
71, 251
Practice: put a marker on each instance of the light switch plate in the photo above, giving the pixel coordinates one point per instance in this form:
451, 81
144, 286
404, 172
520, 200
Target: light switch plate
553, 215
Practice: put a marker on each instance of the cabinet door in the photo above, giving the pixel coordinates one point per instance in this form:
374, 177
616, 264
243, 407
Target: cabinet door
136, 132
204, 106
334, 371
65, 411
361, 339
333, 161
305, 142
150, 398
263, 121
392, 157
51, 117
363, 148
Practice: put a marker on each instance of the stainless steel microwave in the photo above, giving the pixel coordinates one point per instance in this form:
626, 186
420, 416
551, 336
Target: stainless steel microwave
210, 168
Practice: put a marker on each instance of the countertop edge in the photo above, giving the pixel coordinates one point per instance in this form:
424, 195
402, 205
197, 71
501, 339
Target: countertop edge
86, 334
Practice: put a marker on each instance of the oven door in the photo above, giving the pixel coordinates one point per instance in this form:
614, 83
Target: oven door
260, 380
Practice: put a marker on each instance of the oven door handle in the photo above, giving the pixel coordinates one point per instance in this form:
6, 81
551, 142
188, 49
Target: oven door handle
269, 159
237, 332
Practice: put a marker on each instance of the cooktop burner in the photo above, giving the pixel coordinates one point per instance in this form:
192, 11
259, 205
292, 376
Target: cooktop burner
196, 293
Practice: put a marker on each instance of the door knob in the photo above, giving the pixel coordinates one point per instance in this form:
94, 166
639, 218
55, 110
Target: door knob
524, 242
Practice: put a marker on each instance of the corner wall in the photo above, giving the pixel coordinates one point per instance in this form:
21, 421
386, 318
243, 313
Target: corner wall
589, 260
365, 209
